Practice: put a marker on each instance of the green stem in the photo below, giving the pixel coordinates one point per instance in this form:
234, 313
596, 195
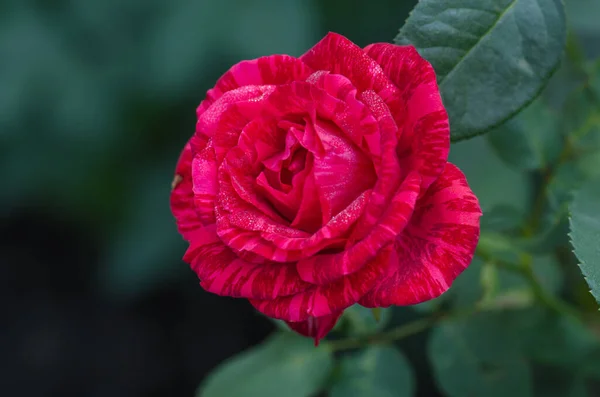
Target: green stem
398, 333
544, 297
525, 269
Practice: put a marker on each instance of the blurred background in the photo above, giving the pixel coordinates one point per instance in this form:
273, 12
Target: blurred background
96, 100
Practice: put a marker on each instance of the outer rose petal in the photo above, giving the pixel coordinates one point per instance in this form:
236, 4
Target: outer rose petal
225, 119
316, 327
223, 273
424, 142
336, 54
204, 177
323, 300
389, 174
269, 70
436, 246
182, 196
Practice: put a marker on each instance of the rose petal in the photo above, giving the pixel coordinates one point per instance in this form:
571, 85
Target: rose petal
324, 300
341, 172
288, 202
315, 327
338, 227
182, 196
309, 216
387, 167
336, 54
240, 224
245, 228
204, 176
237, 181
269, 70
325, 268
424, 141
435, 247
354, 119
224, 120
274, 137
224, 273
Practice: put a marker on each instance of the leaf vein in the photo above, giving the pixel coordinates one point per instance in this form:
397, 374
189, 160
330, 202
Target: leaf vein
502, 14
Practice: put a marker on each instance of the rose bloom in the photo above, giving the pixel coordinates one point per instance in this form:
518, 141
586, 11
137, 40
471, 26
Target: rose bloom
318, 182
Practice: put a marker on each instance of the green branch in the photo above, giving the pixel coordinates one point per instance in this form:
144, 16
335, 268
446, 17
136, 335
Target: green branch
400, 332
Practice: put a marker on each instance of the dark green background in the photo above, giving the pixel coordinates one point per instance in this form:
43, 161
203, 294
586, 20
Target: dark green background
96, 100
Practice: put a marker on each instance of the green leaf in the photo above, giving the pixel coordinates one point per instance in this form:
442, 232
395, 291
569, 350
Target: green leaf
378, 371
555, 382
567, 352
564, 342
478, 358
531, 140
585, 233
285, 363
478, 161
492, 57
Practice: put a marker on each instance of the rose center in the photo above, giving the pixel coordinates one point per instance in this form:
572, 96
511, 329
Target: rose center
282, 178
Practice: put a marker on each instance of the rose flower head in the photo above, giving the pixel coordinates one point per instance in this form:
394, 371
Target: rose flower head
315, 183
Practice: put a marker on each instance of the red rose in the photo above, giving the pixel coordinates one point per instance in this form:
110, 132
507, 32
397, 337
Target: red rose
317, 182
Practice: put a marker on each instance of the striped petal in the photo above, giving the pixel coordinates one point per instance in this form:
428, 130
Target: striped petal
325, 135
269, 70
424, 139
324, 300
224, 273
315, 327
435, 247
204, 176
387, 167
342, 172
182, 196
224, 120
336, 54
325, 268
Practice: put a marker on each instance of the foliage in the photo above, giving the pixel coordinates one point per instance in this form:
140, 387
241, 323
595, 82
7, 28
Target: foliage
491, 57
585, 233
377, 371
284, 362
